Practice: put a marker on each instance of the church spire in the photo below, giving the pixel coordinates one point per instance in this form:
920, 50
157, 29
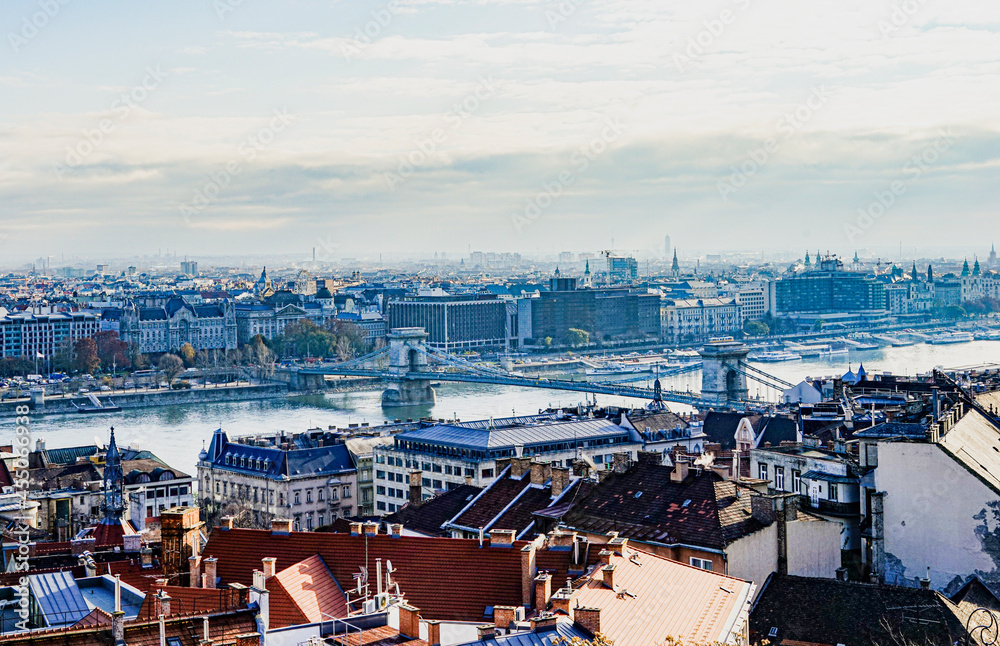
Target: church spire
114, 483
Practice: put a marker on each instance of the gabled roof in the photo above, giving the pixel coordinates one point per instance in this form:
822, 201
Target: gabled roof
828, 611
644, 504
975, 443
428, 517
721, 428
305, 593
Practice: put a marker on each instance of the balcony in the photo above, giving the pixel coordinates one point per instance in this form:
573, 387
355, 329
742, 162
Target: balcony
831, 507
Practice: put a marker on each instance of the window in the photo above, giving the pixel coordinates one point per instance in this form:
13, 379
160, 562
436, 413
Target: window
380, 505
309, 495
380, 490
762, 472
297, 501
319, 494
704, 564
281, 499
438, 485
470, 473
333, 493
834, 491
347, 491
447, 469
779, 478
425, 482
319, 520
487, 473
380, 475
796, 481
309, 523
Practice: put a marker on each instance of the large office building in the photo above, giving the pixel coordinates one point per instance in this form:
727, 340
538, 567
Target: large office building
453, 454
691, 320
622, 269
455, 323
30, 335
827, 289
607, 314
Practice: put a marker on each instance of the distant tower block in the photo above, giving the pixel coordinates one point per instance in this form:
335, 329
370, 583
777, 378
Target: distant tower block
720, 383
666, 246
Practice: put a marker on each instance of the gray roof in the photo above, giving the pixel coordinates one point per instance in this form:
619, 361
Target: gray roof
484, 437
563, 632
58, 597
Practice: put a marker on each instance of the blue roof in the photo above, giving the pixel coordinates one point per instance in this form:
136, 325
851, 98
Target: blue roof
58, 598
893, 429
563, 632
274, 463
482, 436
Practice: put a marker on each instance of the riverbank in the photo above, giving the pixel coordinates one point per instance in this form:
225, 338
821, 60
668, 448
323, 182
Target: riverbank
63, 404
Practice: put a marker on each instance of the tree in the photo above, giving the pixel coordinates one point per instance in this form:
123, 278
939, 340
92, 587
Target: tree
138, 360
15, 367
818, 325
304, 338
577, 337
548, 342
85, 357
171, 366
111, 350
187, 353
756, 328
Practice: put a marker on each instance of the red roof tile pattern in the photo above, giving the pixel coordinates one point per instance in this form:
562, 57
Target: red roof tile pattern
645, 504
448, 579
306, 592
95, 617
186, 601
381, 636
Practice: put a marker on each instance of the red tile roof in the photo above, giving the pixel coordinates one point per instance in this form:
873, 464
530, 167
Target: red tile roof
305, 593
381, 636
448, 579
186, 601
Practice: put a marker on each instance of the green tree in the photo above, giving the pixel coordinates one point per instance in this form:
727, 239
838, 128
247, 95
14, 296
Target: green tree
85, 357
187, 354
577, 337
304, 339
548, 342
818, 325
171, 366
756, 328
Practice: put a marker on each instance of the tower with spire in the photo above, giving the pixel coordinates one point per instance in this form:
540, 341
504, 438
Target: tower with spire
807, 262
965, 267
113, 526
675, 268
976, 270
993, 255
930, 273
586, 275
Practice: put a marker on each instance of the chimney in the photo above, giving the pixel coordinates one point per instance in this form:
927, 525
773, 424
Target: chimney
540, 472
608, 571
543, 623
680, 472
210, 567
925, 583
396, 530
409, 621
356, 528
604, 557
227, 522
486, 631
603, 475
146, 557
194, 571
502, 537
935, 403
562, 598
281, 526
560, 480
433, 633
722, 470
581, 468
588, 618
270, 566
618, 545
842, 574
161, 604
503, 616
543, 591
371, 528
519, 466
620, 462
416, 487
248, 639
118, 627
650, 457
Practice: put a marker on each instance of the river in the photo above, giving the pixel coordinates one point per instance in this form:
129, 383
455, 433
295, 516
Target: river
176, 433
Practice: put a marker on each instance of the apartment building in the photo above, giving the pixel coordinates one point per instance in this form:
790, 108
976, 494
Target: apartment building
30, 335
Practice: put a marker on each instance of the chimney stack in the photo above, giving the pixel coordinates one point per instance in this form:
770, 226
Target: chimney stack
161, 604
416, 487
560, 480
543, 591
356, 528
409, 621
650, 457
396, 530
680, 472
519, 466
620, 462
433, 632
588, 618
371, 528
270, 566
194, 571
210, 564
227, 522
502, 537
608, 571
281, 526
543, 622
503, 616
540, 473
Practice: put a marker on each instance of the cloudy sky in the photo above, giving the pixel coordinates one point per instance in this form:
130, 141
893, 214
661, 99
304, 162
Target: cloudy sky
245, 126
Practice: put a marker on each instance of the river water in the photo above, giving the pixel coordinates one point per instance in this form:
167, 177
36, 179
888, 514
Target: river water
176, 433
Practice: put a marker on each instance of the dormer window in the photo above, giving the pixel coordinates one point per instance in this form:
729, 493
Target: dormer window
229, 459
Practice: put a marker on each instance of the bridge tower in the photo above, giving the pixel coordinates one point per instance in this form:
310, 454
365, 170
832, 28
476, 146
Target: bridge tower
719, 382
405, 357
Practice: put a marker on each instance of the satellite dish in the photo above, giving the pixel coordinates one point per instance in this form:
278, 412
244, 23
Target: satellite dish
388, 566
97, 442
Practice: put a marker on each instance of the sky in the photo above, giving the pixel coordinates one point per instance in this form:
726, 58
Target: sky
251, 127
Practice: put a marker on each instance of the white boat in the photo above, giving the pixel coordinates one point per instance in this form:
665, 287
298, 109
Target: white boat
951, 337
833, 352
774, 356
991, 335
617, 368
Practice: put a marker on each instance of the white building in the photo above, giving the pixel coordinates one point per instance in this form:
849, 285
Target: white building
698, 319
166, 329
29, 335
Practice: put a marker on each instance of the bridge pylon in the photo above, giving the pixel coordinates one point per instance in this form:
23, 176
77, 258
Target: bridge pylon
720, 384
406, 356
